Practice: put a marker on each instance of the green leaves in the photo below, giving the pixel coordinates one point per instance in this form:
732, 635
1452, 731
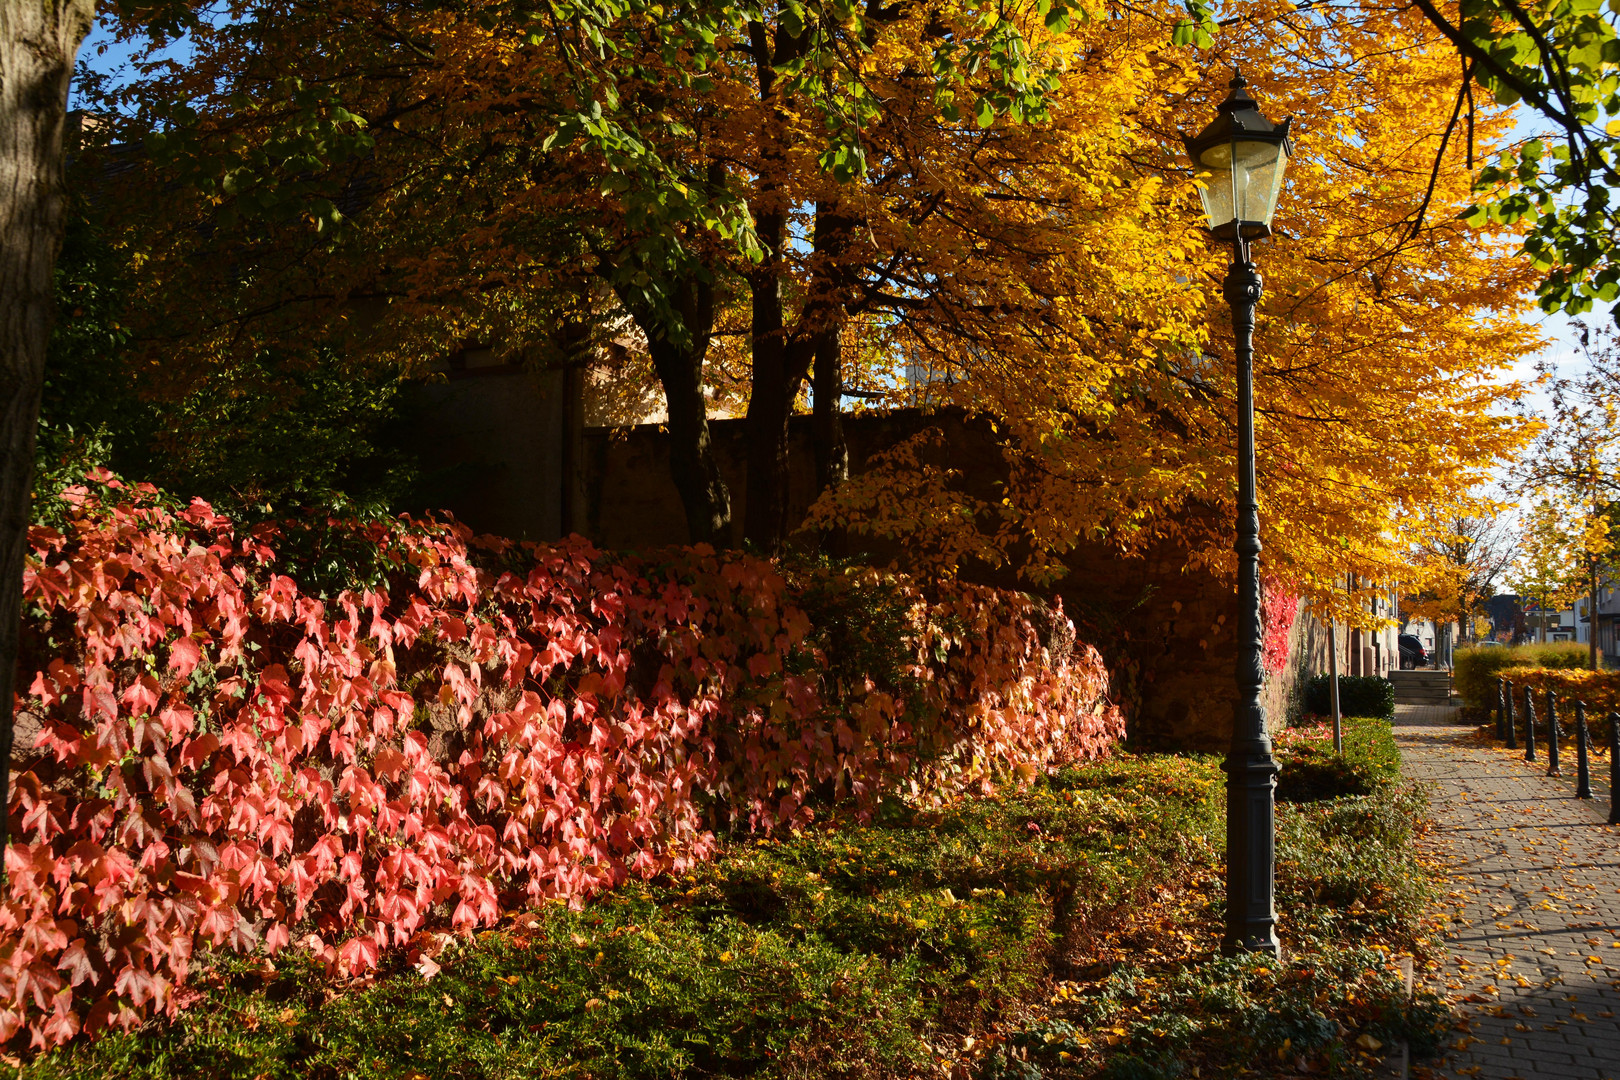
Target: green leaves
1561, 61
1198, 28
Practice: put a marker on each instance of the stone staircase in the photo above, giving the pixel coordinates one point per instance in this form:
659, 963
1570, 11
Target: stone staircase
1421, 687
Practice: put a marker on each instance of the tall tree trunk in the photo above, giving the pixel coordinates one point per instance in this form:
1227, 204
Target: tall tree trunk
38, 41
827, 431
1591, 615
782, 357
826, 417
770, 405
677, 356
765, 509
691, 451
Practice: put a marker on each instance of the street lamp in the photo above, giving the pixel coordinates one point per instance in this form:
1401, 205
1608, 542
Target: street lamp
1245, 155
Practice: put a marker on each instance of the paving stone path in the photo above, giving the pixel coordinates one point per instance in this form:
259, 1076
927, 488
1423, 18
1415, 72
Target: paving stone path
1532, 960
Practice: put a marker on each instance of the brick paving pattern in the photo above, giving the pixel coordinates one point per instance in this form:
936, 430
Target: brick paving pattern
1532, 960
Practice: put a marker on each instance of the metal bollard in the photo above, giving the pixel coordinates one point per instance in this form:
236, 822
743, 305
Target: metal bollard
1529, 726
1502, 720
1507, 701
1614, 768
1583, 774
1552, 735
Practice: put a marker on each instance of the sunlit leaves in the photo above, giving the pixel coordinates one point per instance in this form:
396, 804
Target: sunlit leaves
1560, 61
225, 760
1198, 28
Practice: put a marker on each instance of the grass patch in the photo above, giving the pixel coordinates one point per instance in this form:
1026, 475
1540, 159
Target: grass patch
1067, 930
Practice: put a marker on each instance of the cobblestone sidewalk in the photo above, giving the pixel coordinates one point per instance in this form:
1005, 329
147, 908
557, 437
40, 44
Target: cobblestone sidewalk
1532, 956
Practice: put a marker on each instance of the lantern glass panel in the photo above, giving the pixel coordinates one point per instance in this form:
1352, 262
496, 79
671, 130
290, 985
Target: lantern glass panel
1245, 180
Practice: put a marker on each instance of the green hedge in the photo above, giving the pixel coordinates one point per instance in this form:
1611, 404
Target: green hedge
1359, 695
1476, 669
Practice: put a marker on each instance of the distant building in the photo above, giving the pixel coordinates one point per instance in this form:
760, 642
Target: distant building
1507, 618
1573, 623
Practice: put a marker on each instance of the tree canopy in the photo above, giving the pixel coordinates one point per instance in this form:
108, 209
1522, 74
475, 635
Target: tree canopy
994, 193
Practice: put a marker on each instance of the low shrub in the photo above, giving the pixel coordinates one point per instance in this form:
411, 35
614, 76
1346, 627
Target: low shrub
1476, 668
221, 760
843, 950
1355, 894
1600, 690
1065, 930
1359, 695
1309, 770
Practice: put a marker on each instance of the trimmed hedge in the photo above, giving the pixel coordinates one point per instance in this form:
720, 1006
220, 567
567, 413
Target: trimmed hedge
1359, 695
1476, 669
1311, 772
1599, 689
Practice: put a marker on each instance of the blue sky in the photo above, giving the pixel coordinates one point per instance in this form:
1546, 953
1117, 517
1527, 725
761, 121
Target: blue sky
101, 53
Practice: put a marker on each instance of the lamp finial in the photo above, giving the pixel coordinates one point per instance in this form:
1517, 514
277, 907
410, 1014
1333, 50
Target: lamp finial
1238, 100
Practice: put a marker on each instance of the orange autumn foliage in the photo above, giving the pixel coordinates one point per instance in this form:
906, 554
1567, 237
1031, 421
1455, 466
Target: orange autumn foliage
1055, 268
1384, 336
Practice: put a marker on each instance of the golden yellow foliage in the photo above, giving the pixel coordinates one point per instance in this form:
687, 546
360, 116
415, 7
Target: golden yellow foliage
1383, 340
1056, 267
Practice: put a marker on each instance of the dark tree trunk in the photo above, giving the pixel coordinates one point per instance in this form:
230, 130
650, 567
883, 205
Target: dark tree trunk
782, 358
38, 42
677, 356
1593, 661
827, 432
691, 453
779, 367
826, 417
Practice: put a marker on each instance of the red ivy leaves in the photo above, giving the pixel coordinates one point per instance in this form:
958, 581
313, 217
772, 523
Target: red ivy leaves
1280, 608
222, 761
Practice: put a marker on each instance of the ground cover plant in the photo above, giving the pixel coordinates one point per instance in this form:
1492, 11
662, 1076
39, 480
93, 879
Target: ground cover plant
1158, 1002
1064, 930
215, 756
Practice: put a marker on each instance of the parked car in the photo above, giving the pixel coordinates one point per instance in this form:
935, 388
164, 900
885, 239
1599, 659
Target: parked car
1413, 654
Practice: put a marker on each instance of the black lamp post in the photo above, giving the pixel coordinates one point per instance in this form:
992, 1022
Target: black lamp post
1245, 156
